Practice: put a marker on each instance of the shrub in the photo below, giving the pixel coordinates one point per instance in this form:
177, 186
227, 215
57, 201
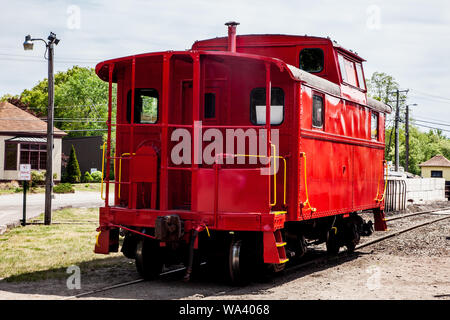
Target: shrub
73, 168
37, 178
97, 176
87, 177
63, 188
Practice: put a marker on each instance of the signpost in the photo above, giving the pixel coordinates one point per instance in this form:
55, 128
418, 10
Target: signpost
25, 175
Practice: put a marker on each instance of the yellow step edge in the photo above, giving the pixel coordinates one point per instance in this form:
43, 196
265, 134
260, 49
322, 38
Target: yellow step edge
284, 260
278, 212
281, 244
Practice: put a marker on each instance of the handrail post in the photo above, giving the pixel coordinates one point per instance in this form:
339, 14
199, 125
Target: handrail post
268, 127
108, 145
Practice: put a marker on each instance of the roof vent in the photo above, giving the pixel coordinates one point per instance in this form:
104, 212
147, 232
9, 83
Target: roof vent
232, 35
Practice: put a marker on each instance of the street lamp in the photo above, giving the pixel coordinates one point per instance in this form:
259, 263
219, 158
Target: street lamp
407, 135
28, 45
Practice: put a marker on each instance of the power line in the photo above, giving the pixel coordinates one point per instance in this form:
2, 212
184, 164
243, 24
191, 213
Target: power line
438, 123
431, 95
422, 125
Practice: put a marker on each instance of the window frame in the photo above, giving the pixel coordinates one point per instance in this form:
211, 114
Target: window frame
323, 59
39, 152
372, 113
253, 105
436, 171
128, 105
322, 98
354, 62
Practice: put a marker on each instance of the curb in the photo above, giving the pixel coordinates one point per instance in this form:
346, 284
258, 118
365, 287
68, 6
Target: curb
5, 227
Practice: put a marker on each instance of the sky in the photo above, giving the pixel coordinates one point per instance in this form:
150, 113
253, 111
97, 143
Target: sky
409, 40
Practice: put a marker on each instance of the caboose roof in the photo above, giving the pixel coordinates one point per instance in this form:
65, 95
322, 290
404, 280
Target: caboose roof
102, 70
272, 40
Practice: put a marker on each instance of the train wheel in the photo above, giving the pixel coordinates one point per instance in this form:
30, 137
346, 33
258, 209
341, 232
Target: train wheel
149, 260
332, 242
352, 236
240, 262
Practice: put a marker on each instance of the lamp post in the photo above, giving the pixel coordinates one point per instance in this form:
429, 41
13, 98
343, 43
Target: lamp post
28, 45
407, 136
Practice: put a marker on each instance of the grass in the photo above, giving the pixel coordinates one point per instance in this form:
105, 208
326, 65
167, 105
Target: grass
38, 252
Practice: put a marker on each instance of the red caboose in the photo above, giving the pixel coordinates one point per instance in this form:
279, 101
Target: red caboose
239, 151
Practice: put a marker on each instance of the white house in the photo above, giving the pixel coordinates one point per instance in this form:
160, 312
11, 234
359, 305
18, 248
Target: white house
23, 141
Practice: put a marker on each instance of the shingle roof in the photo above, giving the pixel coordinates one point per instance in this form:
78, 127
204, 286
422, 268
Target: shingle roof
16, 120
436, 161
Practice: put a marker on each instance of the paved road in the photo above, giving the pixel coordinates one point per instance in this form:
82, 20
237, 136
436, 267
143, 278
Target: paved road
11, 204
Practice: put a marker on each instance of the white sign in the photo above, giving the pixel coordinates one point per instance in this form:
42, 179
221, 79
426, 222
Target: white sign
25, 172
93, 170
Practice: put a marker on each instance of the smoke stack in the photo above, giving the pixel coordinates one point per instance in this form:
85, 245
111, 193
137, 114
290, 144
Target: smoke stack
232, 35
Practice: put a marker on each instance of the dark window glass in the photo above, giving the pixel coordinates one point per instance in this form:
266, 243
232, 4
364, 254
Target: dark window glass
145, 106
436, 174
374, 126
210, 105
317, 111
10, 156
258, 106
311, 60
35, 155
43, 160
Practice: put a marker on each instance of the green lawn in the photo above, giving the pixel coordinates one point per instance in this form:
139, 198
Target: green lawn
37, 252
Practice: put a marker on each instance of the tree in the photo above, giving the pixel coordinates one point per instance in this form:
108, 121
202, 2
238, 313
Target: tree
81, 99
382, 87
73, 168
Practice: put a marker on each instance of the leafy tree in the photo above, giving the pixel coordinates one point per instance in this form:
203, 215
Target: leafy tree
73, 168
382, 87
81, 99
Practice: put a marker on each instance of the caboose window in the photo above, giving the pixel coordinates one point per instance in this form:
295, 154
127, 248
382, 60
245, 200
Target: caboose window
317, 112
145, 105
359, 72
311, 60
210, 105
374, 126
258, 106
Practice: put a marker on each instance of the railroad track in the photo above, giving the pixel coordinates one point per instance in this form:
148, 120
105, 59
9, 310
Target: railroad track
291, 269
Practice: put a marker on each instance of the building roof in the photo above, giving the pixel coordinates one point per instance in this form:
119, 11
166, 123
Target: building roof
436, 161
16, 121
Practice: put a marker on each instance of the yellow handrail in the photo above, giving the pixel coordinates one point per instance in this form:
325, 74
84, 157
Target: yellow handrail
274, 178
303, 154
120, 169
385, 184
103, 170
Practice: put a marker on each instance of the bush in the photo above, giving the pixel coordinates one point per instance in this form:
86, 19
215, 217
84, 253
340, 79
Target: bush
87, 177
63, 188
97, 176
73, 168
37, 178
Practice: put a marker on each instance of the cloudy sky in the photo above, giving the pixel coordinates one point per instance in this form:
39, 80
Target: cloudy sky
409, 40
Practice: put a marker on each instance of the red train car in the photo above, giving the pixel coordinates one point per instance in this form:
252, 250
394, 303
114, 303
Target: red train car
239, 152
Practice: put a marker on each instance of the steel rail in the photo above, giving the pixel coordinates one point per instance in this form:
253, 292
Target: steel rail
416, 213
290, 269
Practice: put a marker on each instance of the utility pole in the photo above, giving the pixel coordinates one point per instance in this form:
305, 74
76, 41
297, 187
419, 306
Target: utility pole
407, 136
49, 164
397, 119
28, 45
